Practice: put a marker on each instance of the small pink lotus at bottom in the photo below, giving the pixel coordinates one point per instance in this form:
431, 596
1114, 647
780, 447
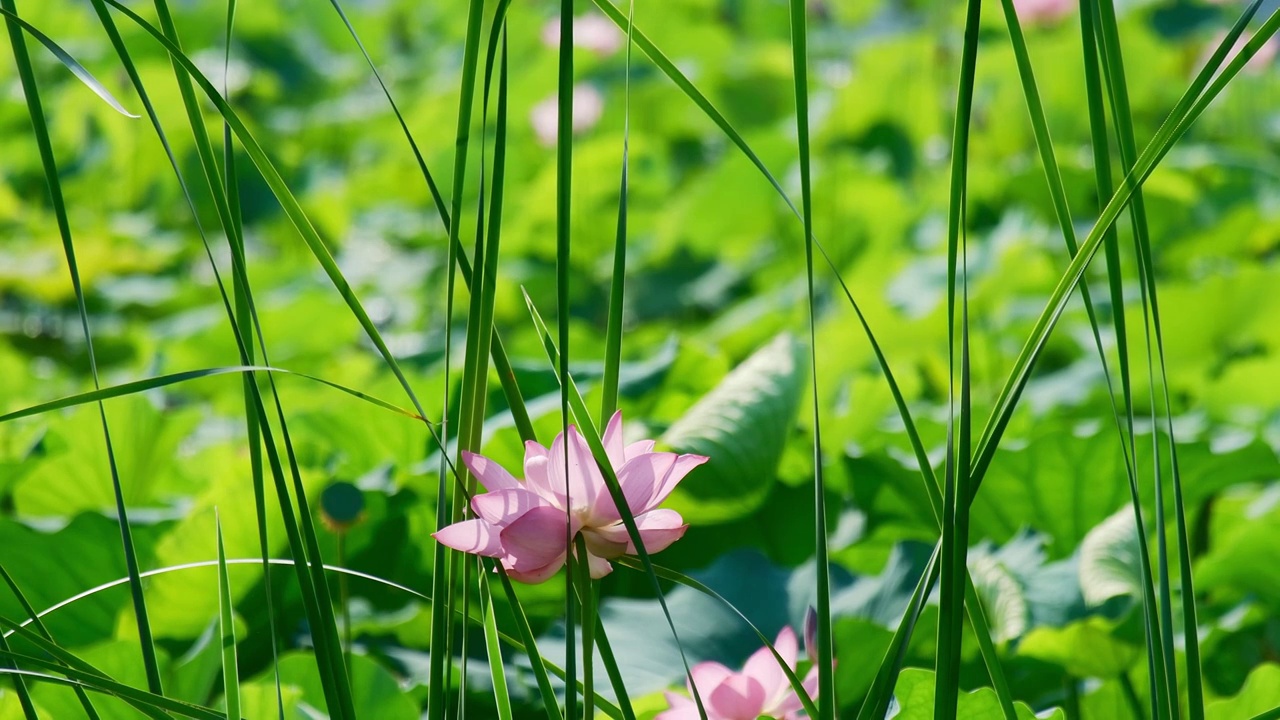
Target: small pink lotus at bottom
525, 524
760, 690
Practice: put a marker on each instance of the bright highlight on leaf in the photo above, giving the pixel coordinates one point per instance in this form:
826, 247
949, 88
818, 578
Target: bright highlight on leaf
525, 523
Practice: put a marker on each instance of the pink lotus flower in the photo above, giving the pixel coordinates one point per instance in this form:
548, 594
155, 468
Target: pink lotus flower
525, 524
588, 106
760, 690
593, 32
1043, 11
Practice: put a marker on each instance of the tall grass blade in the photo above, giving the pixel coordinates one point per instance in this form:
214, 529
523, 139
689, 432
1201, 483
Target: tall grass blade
1166, 676
586, 593
502, 365
497, 668
592, 436
617, 282
227, 631
244, 324
545, 690
564, 187
50, 166
448, 505
329, 661
1115, 73
1156, 649
1058, 197
955, 527
611, 669
800, 75
1208, 84
244, 340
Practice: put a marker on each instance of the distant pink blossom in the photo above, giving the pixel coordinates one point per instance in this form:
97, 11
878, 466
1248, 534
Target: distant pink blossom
588, 106
593, 32
760, 690
525, 524
1260, 61
1043, 12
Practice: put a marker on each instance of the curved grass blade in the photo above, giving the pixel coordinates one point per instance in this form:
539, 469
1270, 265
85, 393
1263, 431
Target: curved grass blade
19, 685
50, 166
152, 383
539, 664
67, 659
89, 711
404, 126
800, 73
83, 75
89, 681
227, 631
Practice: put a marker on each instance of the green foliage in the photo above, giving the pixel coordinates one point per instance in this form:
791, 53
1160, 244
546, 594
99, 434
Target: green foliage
336, 262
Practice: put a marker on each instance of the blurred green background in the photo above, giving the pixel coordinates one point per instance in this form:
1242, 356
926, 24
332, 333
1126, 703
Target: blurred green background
715, 274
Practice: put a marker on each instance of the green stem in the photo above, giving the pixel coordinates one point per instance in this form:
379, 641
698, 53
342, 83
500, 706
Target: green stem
344, 598
587, 598
1131, 697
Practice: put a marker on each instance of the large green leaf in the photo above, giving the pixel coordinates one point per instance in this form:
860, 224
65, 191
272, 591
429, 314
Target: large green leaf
914, 693
52, 567
1261, 692
1110, 565
1062, 482
742, 425
1245, 531
1085, 648
74, 476
376, 692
